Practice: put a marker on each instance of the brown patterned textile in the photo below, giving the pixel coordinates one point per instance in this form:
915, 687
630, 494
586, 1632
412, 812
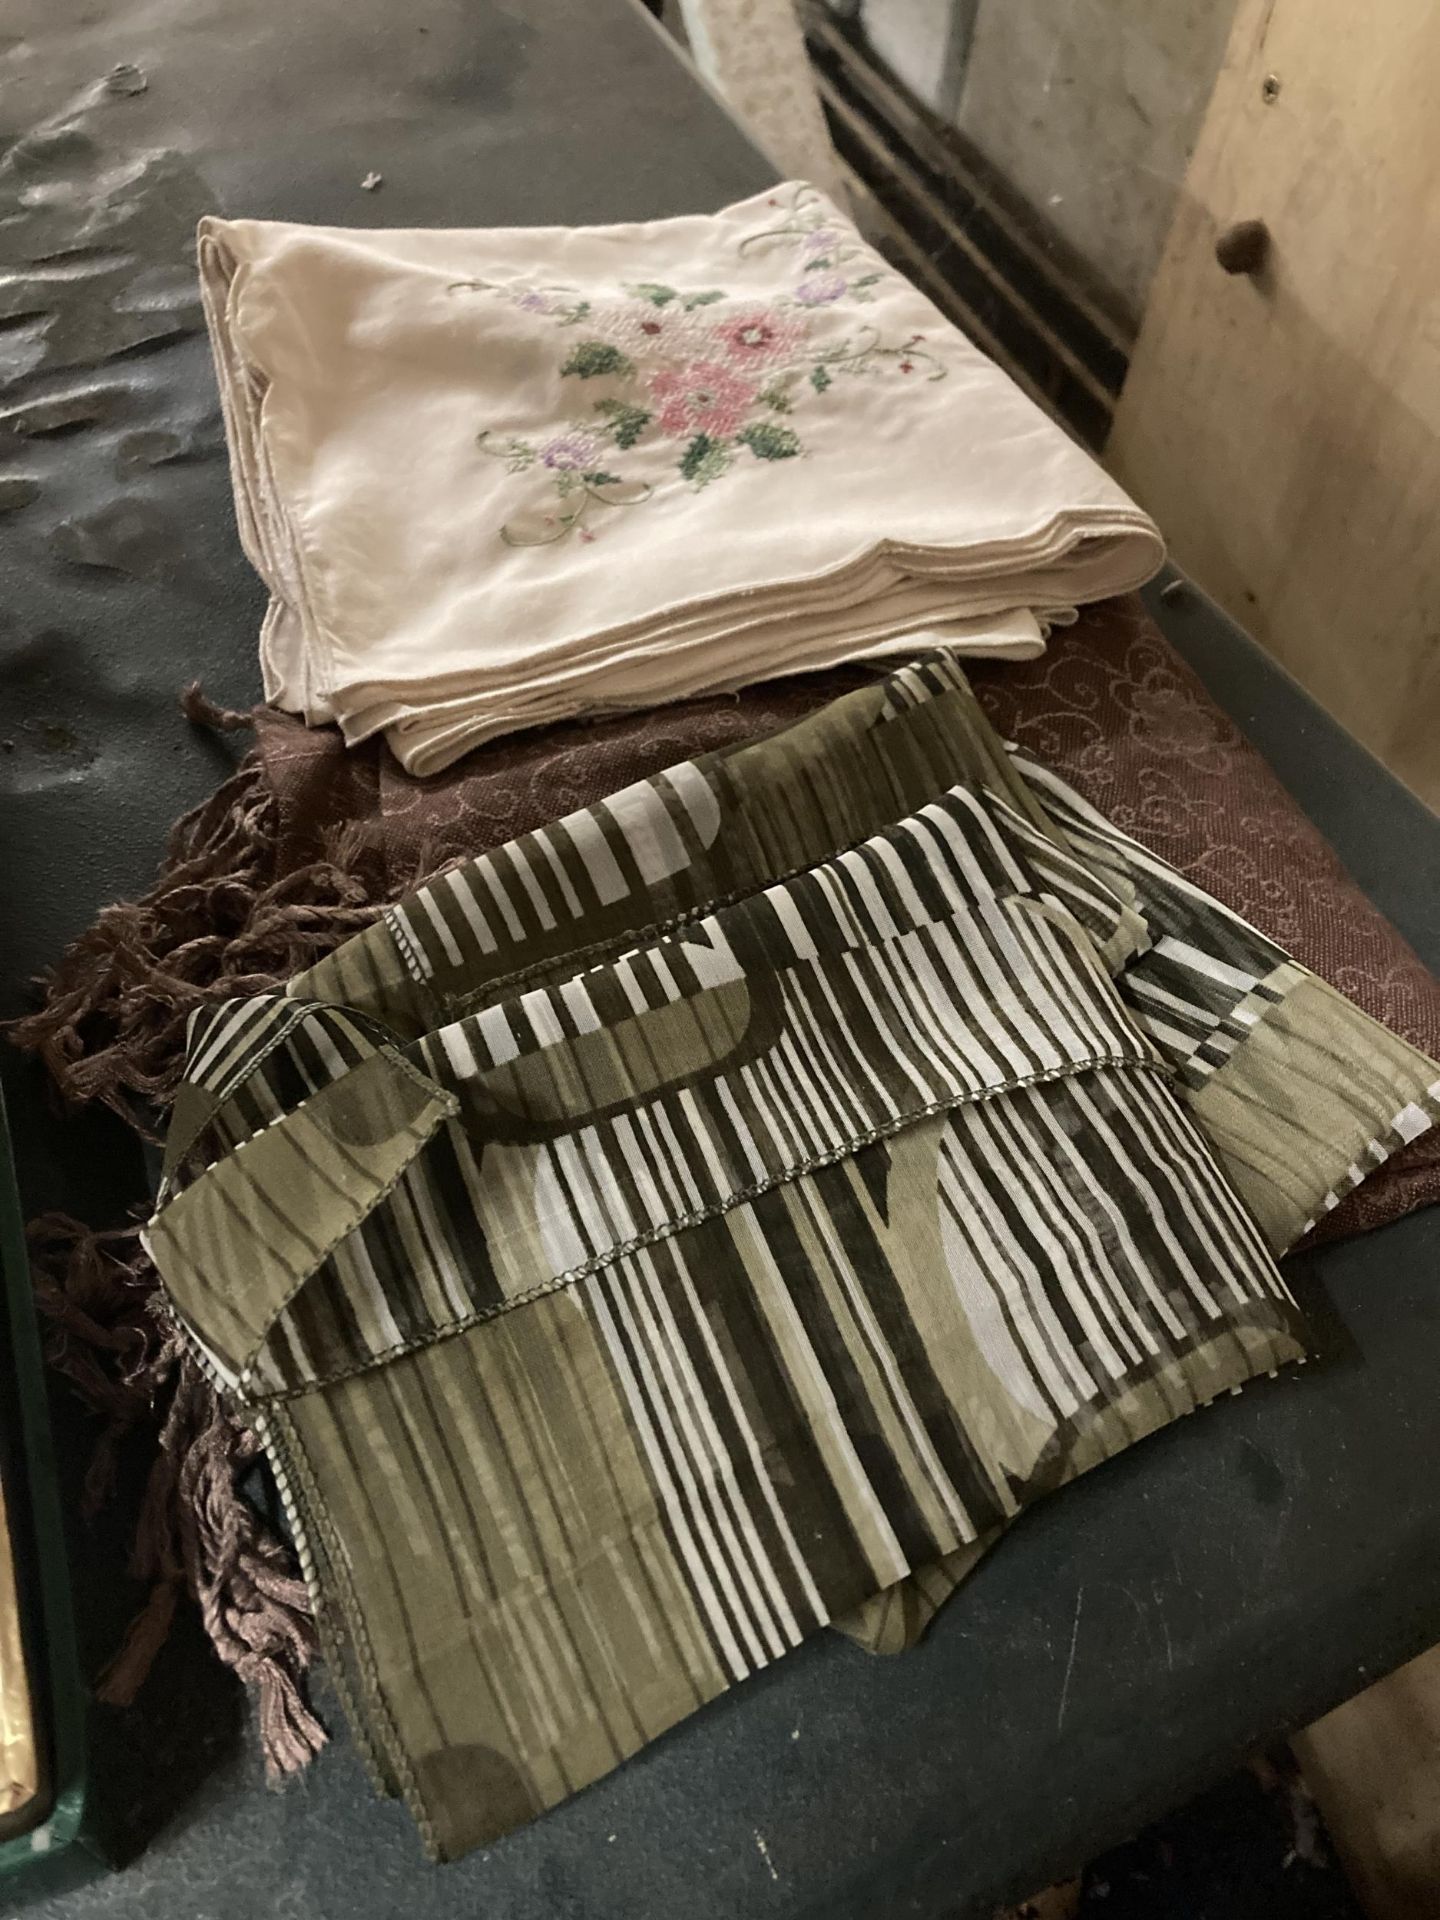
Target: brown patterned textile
1115, 710
509, 787
294, 854
1110, 706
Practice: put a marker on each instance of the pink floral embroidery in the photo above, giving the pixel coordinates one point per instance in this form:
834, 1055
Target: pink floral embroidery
685, 383
760, 337
704, 397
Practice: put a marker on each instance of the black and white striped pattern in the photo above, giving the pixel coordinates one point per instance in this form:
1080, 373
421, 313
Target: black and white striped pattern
689, 1269
555, 877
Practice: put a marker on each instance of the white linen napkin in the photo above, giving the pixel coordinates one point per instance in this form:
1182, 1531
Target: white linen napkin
498, 478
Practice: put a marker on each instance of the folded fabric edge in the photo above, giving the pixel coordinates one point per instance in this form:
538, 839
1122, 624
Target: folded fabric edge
1274, 1338
440, 1329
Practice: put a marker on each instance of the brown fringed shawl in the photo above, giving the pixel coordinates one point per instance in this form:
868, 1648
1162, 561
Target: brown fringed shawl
301, 847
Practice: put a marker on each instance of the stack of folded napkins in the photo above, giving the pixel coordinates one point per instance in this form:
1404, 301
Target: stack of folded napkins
497, 478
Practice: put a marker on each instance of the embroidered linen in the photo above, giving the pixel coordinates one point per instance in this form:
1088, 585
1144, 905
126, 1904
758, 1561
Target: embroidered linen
496, 478
667, 1233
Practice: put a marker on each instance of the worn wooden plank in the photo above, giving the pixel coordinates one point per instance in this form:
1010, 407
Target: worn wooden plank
1285, 427
1373, 1766
19, 1772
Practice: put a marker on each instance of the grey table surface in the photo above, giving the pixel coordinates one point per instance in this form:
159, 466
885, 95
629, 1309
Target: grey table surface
1231, 1577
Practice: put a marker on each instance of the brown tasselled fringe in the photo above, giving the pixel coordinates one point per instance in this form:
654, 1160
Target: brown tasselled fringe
201, 711
220, 920
97, 1292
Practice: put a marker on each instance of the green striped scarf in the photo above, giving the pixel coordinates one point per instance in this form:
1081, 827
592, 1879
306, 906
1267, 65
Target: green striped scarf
719, 1213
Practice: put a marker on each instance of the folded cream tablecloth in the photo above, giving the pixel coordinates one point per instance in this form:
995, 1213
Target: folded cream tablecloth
497, 478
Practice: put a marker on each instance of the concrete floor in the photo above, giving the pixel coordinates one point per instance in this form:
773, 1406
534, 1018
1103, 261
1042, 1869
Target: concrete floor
1355, 1832
1252, 1848
1374, 1768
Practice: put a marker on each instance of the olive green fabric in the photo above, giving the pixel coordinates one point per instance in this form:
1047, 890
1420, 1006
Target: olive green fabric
1299, 1093
793, 1170
236, 1245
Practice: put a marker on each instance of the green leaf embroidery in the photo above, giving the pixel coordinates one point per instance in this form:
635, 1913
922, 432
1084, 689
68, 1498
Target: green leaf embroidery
591, 357
622, 419
627, 423
517, 454
777, 395
704, 460
769, 442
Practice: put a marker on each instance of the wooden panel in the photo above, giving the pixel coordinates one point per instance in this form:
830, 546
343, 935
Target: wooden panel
19, 1772
1285, 429
1373, 1766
